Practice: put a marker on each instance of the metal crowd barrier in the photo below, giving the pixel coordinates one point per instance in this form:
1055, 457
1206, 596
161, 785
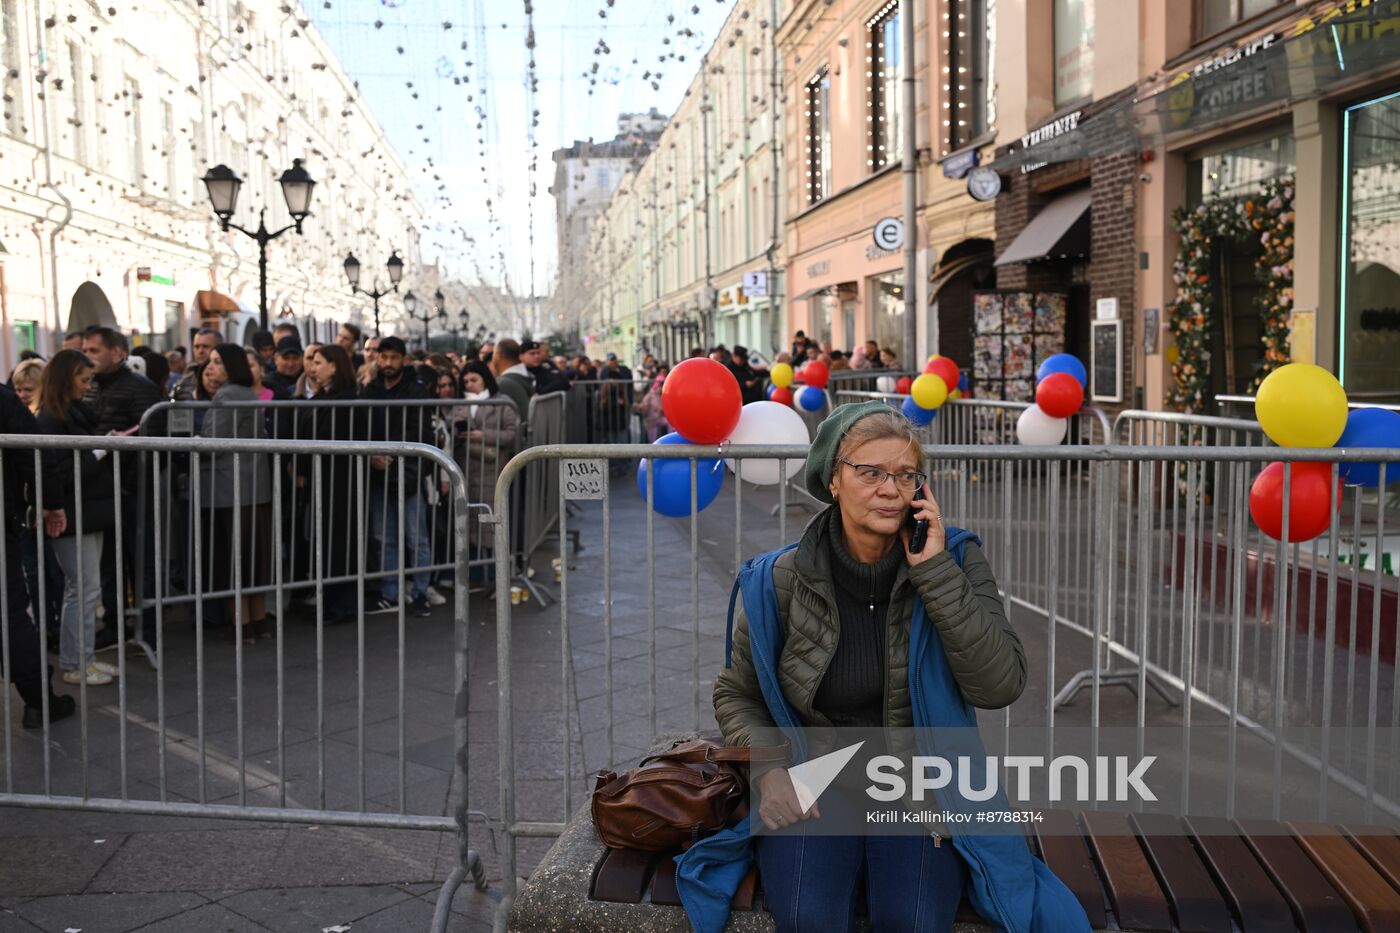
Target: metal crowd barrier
537, 499
966, 421
435, 421
301, 736
1253, 662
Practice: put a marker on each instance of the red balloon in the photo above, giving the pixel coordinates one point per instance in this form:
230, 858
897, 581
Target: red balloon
905, 385
1059, 395
1311, 504
702, 401
782, 395
816, 374
944, 368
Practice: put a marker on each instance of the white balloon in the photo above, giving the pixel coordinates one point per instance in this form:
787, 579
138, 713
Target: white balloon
1037, 429
886, 384
767, 423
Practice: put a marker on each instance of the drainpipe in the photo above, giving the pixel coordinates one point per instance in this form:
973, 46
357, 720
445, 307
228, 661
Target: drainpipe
910, 171
56, 332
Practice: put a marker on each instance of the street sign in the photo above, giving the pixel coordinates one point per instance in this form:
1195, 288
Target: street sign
756, 284
584, 479
984, 183
889, 233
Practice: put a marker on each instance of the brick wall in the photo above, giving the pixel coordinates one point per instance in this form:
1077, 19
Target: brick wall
1112, 271
1113, 262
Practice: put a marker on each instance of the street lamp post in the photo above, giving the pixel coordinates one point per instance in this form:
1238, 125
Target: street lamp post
440, 303
223, 185
410, 304
352, 274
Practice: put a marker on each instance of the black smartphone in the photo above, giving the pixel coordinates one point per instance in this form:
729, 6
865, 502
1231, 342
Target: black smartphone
918, 528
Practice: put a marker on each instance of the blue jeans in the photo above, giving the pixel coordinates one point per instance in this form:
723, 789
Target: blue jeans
384, 526
79, 609
810, 882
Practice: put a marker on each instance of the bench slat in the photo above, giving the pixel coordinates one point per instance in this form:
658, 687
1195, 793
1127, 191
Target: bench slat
1375, 902
1196, 901
663, 884
1251, 893
1062, 848
1381, 847
1315, 902
622, 876
1137, 897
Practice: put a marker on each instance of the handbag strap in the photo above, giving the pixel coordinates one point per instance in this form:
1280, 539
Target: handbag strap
748, 753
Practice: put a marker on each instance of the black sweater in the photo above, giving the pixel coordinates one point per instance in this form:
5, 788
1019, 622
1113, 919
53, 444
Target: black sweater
852, 692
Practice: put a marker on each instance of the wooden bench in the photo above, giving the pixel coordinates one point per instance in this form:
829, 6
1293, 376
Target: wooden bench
1130, 871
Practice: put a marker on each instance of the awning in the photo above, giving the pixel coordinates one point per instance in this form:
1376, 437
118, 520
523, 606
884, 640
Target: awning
814, 292
209, 302
1060, 229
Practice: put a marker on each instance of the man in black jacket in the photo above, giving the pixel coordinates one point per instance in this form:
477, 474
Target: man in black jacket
397, 382
28, 671
121, 398
542, 369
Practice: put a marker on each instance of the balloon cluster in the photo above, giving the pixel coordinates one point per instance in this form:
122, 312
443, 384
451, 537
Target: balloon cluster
702, 401
1059, 394
810, 395
927, 392
1302, 405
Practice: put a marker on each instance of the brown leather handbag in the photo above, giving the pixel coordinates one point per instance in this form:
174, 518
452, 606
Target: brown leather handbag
694, 789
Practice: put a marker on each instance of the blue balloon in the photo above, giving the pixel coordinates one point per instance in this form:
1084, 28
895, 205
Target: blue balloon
1370, 427
771, 389
964, 383
811, 398
672, 483
1064, 363
918, 417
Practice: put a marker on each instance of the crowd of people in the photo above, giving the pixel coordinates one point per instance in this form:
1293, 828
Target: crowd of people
90, 510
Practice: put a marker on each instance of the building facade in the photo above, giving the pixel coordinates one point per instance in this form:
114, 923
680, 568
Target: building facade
1200, 205
585, 176
106, 135
686, 253
843, 65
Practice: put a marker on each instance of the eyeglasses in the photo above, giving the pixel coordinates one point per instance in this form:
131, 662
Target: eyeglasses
874, 476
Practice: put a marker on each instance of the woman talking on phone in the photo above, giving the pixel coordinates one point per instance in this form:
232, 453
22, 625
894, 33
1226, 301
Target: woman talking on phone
839, 613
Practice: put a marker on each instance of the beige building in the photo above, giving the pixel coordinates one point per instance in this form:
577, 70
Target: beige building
845, 153
111, 118
667, 260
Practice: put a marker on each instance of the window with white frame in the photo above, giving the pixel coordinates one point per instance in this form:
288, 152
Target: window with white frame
818, 116
1074, 50
884, 62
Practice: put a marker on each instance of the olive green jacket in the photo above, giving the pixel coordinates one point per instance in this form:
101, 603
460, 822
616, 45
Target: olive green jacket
983, 650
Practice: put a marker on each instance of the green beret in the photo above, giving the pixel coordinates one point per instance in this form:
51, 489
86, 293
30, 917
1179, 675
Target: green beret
821, 461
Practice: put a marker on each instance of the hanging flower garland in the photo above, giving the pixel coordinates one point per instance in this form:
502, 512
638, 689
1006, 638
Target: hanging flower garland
1266, 215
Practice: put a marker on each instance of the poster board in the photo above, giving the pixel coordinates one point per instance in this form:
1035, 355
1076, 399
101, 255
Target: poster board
1014, 332
1106, 364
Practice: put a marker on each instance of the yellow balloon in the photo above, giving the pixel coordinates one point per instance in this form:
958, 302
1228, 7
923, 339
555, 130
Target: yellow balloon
1173, 353
955, 394
781, 375
929, 391
1301, 405
931, 358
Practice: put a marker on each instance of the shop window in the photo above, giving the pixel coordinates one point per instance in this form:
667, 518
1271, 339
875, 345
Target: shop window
1240, 169
818, 98
1214, 16
887, 311
1074, 50
967, 79
1370, 281
884, 64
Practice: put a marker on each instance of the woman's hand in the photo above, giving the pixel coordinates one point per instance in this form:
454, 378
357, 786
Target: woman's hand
475, 435
926, 509
778, 806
